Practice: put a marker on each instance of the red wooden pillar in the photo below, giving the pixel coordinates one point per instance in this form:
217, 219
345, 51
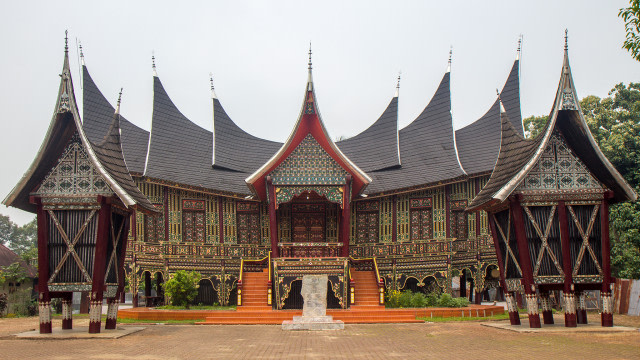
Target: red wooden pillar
273, 223
67, 311
112, 308
512, 307
44, 298
570, 319
525, 263
547, 313
345, 220
99, 265
581, 307
606, 316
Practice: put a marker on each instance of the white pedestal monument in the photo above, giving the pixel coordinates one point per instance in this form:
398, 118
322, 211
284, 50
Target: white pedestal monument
314, 311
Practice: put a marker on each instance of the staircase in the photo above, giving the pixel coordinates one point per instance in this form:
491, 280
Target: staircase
254, 291
366, 289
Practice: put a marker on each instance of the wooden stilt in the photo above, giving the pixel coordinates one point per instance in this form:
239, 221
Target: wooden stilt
547, 313
99, 267
512, 306
581, 308
44, 299
67, 311
570, 319
606, 316
112, 313
525, 263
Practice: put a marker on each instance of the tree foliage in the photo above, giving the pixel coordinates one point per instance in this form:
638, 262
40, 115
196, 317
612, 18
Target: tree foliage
182, 288
631, 17
533, 125
20, 239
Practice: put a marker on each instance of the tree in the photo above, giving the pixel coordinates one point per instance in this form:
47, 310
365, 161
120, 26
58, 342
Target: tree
182, 288
533, 125
631, 19
7, 230
25, 238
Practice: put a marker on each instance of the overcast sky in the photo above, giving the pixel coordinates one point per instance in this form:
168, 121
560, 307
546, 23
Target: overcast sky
257, 52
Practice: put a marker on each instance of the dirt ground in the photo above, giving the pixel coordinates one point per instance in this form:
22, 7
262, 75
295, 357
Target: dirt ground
451, 340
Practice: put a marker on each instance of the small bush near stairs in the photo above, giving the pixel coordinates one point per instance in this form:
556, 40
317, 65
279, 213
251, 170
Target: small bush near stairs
182, 288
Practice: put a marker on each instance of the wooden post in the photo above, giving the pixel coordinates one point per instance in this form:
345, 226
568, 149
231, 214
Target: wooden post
568, 295
447, 212
463, 285
525, 263
273, 223
345, 221
512, 307
67, 311
547, 313
44, 298
581, 307
166, 213
606, 316
112, 308
99, 265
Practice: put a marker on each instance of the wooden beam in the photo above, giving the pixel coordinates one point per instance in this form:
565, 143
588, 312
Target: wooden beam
44, 298
514, 316
606, 316
273, 223
345, 221
99, 266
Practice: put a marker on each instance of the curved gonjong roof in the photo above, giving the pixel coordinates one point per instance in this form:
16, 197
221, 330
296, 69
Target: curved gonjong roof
97, 114
106, 156
518, 156
427, 147
181, 151
376, 148
234, 148
479, 142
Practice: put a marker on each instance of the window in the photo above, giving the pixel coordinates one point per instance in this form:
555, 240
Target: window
154, 226
458, 224
367, 216
248, 223
421, 219
193, 215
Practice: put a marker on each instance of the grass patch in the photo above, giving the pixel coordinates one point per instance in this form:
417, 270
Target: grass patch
196, 307
439, 319
142, 321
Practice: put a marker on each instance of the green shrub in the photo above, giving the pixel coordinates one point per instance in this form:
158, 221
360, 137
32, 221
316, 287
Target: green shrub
418, 300
392, 298
446, 300
461, 302
4, 303
182, 288
432, 300
405, 299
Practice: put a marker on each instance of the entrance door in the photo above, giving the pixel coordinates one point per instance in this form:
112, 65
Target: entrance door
308, 227
308, 222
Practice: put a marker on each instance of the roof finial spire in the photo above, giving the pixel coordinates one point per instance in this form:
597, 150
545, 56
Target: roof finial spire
450, 55
502, 110
398, 85
81, 52
213, 93
519, 51
153, 63
310, 64
566, 39
118, 103
66, 41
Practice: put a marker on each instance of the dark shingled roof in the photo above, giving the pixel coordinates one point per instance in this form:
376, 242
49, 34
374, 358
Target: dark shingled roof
109, 153
97, 117
236, 149
479, 142
376, 147
517, 155
181, 151
515, 152
427, 148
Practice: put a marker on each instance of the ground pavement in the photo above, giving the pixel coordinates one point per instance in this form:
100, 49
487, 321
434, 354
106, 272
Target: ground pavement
449, 340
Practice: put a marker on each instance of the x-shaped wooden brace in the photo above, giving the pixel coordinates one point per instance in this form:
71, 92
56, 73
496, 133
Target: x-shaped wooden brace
544, 238
505, 239
70, 245
585, 239
115, 240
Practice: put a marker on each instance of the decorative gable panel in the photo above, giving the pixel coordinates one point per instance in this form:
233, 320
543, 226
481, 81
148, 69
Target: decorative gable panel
74, 174
309, 164
559, 169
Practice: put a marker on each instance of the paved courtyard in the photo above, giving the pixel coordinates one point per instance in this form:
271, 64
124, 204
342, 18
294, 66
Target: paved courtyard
450, 340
